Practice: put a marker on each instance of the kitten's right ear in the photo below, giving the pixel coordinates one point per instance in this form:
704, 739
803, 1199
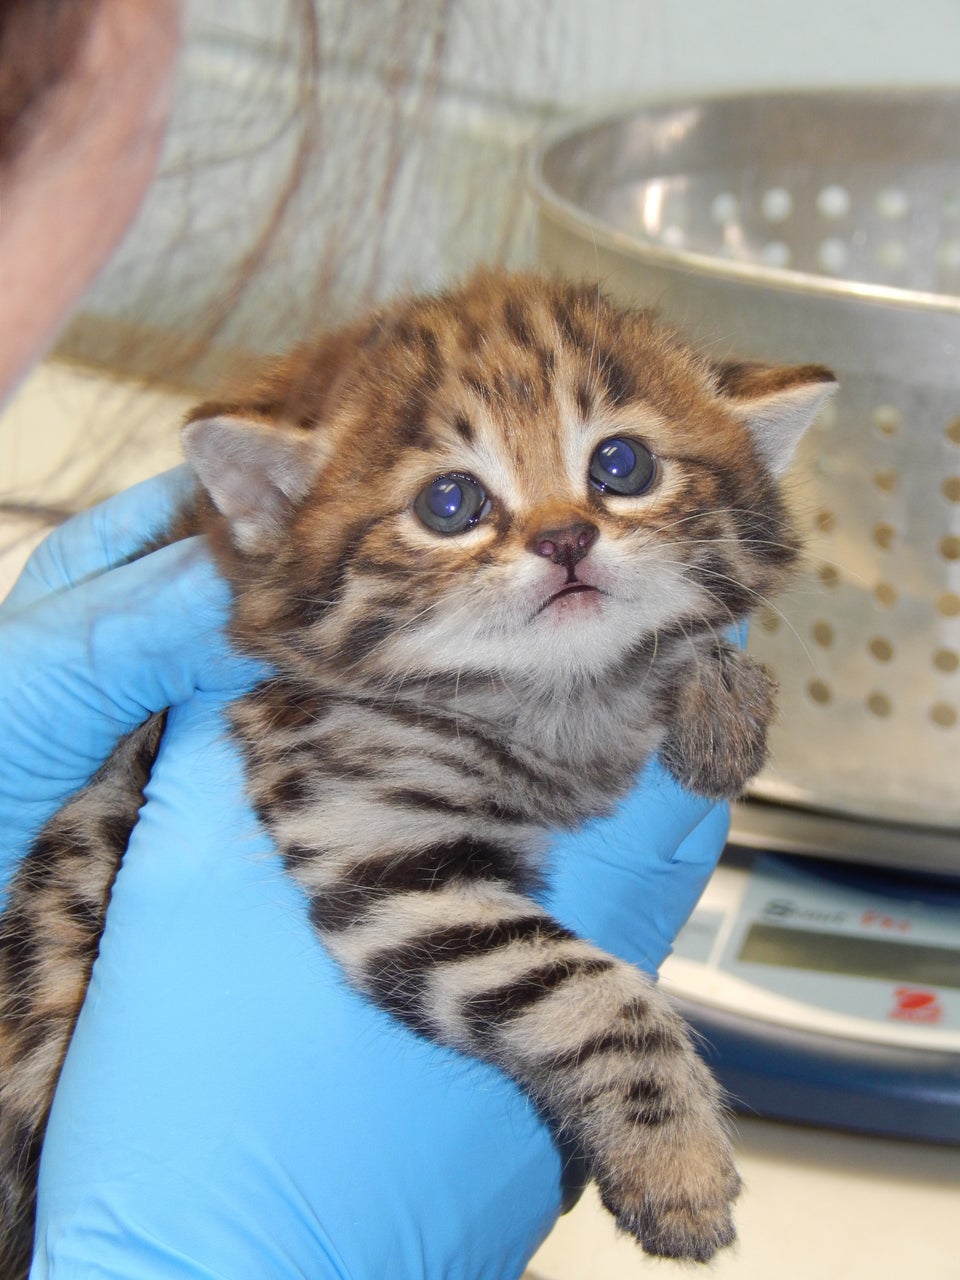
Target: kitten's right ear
254, 471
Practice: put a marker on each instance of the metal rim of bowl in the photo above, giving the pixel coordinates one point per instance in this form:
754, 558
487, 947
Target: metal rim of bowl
576, 218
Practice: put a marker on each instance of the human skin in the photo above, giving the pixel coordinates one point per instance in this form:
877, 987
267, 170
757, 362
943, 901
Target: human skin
73, 190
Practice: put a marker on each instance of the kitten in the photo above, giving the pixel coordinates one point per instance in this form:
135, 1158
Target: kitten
490, 543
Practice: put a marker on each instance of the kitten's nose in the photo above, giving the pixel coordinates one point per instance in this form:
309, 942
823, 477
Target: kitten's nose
565, 546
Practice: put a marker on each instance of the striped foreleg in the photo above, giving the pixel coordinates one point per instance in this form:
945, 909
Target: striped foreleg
440, 938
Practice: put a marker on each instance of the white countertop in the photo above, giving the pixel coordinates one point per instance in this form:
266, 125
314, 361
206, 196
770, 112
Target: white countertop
72, 436
816, 1205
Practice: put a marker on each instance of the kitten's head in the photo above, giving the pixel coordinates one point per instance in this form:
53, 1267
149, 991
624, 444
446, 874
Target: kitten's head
517, 476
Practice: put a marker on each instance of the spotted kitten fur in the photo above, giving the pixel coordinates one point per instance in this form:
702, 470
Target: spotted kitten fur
490, 543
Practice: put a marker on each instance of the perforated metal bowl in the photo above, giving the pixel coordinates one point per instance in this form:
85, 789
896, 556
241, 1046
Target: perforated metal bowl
816, 227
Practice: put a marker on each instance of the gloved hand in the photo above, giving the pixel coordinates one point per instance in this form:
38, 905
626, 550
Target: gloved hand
228, 1107
628, 883
88, 650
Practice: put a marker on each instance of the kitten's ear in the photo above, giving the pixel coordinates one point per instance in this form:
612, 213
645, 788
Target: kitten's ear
254, 471
776, 402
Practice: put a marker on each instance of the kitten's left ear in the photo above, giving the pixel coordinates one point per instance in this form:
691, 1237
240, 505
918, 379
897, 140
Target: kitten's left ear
777, 403
254, 471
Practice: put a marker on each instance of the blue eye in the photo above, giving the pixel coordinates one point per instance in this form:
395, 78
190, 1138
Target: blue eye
623, 465
451, 503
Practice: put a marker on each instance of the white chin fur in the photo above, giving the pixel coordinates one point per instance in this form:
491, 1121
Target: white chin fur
575, 636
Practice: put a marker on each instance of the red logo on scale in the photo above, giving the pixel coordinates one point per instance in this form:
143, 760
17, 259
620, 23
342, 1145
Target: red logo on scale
916, 1004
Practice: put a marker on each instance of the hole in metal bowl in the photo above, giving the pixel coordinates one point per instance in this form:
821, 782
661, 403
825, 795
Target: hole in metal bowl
892, 203
776, 204
881, 649
946, 661
820, 692
883, 536
834, 201
942, 714
887, 420
878, 704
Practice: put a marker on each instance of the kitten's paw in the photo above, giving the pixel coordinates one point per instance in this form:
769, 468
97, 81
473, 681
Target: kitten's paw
717, 739
676, 1203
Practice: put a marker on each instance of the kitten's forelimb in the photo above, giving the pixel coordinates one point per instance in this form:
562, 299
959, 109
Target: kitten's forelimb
480, 967
421, 885
718, 722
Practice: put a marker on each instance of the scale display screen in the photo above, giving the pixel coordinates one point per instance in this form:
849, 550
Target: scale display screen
812, 943
822, 952
829, 994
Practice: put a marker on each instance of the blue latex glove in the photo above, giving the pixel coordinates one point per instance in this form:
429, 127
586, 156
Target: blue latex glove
228, 1108
87, 651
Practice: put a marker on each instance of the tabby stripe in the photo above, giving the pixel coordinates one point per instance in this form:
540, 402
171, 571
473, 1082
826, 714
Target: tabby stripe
306, 609
445, 684
517, 322
397, 977
41, 1035
763, 530
570, 330
637, 1041
416, 798
720, 655
644, 1103
647, 1104
87, 913
546, 362
50, 849
365, 636
373, 567
332, 764
718, 576
19, 941
464, 428
617, 382
485, 1009
359, 889
476, 383
291, 790
762, 525
114, 830
460, 729
290, 705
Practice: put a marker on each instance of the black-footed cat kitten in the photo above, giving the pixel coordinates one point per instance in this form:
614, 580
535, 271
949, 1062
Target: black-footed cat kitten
490, 543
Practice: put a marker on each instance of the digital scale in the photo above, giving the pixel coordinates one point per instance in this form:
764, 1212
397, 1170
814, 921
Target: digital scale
829, 992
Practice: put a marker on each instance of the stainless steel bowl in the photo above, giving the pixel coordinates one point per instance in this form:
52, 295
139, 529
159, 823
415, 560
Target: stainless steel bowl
816, 227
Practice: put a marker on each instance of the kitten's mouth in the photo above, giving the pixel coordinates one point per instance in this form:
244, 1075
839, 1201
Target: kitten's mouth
568, 589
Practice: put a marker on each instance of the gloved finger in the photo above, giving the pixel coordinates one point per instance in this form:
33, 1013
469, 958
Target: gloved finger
628, 882
677, 888
85, 667
290, 1128
99, 539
